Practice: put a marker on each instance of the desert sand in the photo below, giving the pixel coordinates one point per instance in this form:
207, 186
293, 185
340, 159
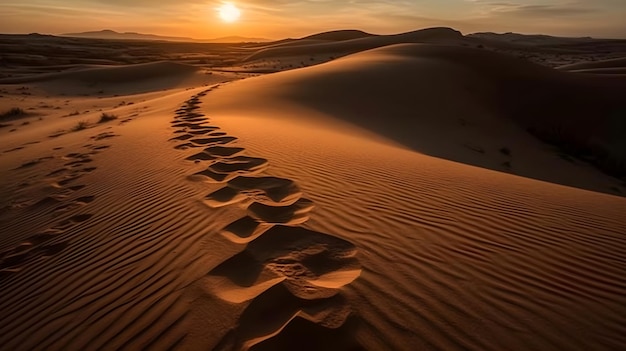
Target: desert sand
344, 191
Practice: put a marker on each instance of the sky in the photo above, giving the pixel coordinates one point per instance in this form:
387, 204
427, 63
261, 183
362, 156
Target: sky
276, 19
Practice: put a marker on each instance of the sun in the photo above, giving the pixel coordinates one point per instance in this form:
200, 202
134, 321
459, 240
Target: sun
228, 12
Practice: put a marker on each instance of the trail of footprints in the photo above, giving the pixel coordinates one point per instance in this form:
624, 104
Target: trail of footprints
285, 271
49, 241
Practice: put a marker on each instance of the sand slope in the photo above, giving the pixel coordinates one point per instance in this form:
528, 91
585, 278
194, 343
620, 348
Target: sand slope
314, 209
462, 104
129, 79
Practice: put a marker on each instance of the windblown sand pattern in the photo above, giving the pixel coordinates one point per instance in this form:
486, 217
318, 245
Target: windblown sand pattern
290, 276
60, 203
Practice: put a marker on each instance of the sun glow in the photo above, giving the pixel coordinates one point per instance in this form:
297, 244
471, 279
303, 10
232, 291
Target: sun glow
228, 12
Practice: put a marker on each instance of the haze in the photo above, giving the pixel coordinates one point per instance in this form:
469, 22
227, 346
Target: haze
279, 18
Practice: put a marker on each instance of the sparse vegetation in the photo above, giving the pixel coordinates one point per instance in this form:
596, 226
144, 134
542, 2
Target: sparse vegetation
15, 112
80, 126
105, 117
505, 151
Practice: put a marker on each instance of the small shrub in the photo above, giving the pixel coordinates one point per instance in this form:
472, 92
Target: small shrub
80, 126
505, 151
105, 117
506, 164
13, 113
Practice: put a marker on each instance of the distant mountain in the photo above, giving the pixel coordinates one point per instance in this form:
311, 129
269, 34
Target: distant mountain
526, 38
341, 43
111, 34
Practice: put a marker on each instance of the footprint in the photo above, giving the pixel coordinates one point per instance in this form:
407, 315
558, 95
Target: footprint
291, 274
227, 169
14, 149
215, 141
64, 225
290, 323
186, 146
58, 171
195, 125
192, 120
267, 190
201, 156
238, 164
100, 147
34, 162
81, 201
244, 230
202, 131
55, 199
68, 179
223, 151
12, 261
182, 137
294, 214
82, 160
310, 264
73, 176
105, 135
217, 134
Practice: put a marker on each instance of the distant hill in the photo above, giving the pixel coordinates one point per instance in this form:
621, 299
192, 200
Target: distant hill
236, 39
111, 34
535, 39
339, 35
341, 43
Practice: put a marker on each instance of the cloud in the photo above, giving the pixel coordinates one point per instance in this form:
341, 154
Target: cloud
540, 10
544, 10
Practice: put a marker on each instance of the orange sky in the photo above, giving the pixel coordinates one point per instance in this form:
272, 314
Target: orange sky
282, 18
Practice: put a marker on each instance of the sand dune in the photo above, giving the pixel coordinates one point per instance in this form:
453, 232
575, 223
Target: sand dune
383, 201
404, 93
344, 47
129, 79
611, 66
339, 35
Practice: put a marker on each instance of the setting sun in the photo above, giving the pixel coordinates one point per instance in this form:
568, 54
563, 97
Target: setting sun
228, 12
